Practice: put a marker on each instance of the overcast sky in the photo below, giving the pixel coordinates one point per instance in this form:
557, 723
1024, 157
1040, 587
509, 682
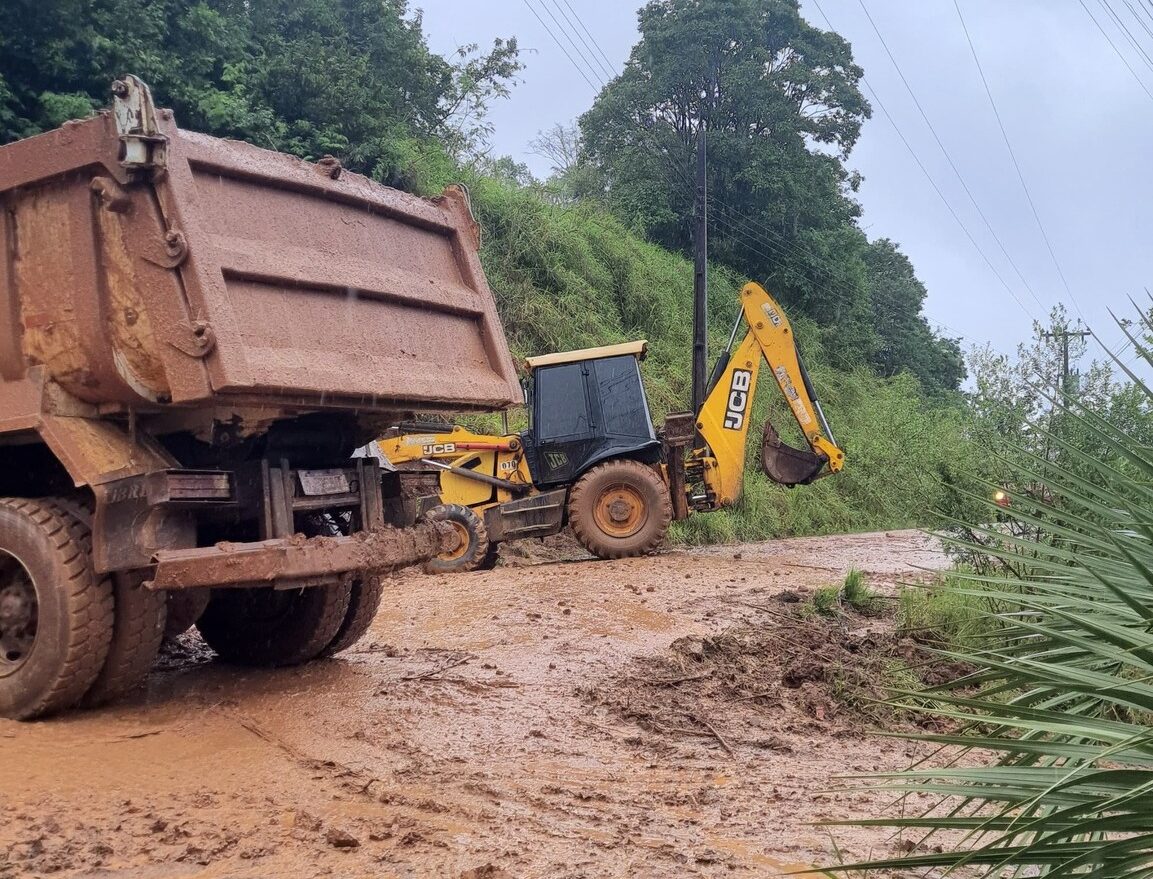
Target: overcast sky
1078, 120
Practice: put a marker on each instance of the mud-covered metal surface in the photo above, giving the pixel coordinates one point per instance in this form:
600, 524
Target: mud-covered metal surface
300, 560
241, 272
475, 732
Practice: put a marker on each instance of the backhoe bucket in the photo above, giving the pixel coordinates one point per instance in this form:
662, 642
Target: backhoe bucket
785, 465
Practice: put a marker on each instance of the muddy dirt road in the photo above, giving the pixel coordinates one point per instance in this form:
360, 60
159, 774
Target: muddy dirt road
480, 730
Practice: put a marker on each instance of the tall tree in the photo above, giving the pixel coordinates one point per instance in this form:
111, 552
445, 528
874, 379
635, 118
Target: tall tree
780, 101
904, 339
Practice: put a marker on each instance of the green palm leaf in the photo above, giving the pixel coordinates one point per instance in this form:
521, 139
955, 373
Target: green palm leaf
1062, 692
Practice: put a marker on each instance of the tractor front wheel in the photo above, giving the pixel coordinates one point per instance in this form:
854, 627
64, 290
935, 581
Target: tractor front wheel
620, 509
473, 550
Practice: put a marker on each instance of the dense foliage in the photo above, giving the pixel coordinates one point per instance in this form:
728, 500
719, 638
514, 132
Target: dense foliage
779, 102
352, 78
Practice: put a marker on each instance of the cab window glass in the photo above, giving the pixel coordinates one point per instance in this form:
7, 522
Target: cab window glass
622, 397
562, 406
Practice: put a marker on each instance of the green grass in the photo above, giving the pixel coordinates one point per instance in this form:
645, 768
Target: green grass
945, 614
854, 594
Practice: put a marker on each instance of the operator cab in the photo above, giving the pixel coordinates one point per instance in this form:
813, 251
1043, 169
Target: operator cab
587, 406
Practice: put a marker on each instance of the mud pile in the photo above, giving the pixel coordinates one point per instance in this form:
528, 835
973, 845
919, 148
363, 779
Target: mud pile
773, 684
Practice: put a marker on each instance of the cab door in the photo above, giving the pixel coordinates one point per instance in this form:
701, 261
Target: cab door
563, 429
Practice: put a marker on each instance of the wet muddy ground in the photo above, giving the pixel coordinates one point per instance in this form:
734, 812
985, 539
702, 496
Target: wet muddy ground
530, 721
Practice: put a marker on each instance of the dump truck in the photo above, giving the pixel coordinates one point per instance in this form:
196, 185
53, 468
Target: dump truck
195, 335
592, 458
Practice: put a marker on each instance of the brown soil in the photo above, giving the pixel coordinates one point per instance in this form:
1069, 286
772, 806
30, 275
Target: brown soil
521, 722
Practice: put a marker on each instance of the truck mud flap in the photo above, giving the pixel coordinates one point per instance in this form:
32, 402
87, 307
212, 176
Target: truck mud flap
785, 465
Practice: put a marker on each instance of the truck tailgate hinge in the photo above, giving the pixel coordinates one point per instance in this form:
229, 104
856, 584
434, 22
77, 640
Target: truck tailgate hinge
144, 145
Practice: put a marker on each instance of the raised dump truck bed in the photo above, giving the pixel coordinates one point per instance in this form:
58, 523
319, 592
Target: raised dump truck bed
216, 271
194, 336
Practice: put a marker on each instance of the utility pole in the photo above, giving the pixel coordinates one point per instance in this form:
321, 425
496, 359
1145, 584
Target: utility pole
701, 247
1063, 337
700, 273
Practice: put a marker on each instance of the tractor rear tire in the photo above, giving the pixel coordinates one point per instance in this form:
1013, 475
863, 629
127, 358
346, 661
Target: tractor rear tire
620, 509
363, 603
137, 630
274, 627
56, 613
473, 551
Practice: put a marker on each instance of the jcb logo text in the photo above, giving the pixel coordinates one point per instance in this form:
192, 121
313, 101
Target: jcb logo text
438, 449
738, 399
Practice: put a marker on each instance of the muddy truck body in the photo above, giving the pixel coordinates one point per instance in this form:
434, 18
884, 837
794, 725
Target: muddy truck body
195, 335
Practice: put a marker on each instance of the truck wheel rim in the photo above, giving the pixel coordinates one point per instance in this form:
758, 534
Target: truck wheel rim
462, 547
19, 614
620, 511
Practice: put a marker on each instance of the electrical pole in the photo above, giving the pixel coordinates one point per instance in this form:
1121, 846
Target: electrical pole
1063, 337
701, 245
700, 273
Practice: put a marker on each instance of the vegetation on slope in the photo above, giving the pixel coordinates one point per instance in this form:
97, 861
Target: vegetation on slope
596, 254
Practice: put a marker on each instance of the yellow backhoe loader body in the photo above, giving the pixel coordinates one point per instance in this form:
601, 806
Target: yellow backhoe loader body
593, 459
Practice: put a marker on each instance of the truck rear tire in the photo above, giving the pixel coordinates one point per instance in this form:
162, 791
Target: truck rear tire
55, 612
620, 509
473, 551
273, 627
137, 630
363, 603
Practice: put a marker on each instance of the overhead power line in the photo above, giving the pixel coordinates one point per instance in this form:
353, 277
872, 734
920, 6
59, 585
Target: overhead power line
747, 227
1116, 51
607, 71
933, 183
1016, 164
1141, 21
1112, 13
560, 45
756, 233
956, 171
565, 33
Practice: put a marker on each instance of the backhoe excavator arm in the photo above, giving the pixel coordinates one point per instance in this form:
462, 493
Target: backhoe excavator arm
723, 422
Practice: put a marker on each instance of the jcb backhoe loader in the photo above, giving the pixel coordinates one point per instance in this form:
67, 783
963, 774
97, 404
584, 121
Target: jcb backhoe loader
593, 459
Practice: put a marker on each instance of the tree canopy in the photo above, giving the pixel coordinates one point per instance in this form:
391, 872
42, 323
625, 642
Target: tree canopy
351, 78
781, 105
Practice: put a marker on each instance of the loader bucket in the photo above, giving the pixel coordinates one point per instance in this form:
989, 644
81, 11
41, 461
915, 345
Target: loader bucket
785, 465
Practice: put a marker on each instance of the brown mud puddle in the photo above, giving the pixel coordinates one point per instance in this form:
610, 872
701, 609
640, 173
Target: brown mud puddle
478, 731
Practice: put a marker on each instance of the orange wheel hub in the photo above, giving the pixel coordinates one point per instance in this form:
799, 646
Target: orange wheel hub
461, 547
620, 511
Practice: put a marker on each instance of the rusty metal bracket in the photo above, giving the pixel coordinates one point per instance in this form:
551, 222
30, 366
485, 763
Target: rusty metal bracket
145, 148
195, 339
169, 255
113, 196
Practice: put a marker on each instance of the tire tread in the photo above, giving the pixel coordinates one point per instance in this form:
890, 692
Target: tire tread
87, 597
584, 527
